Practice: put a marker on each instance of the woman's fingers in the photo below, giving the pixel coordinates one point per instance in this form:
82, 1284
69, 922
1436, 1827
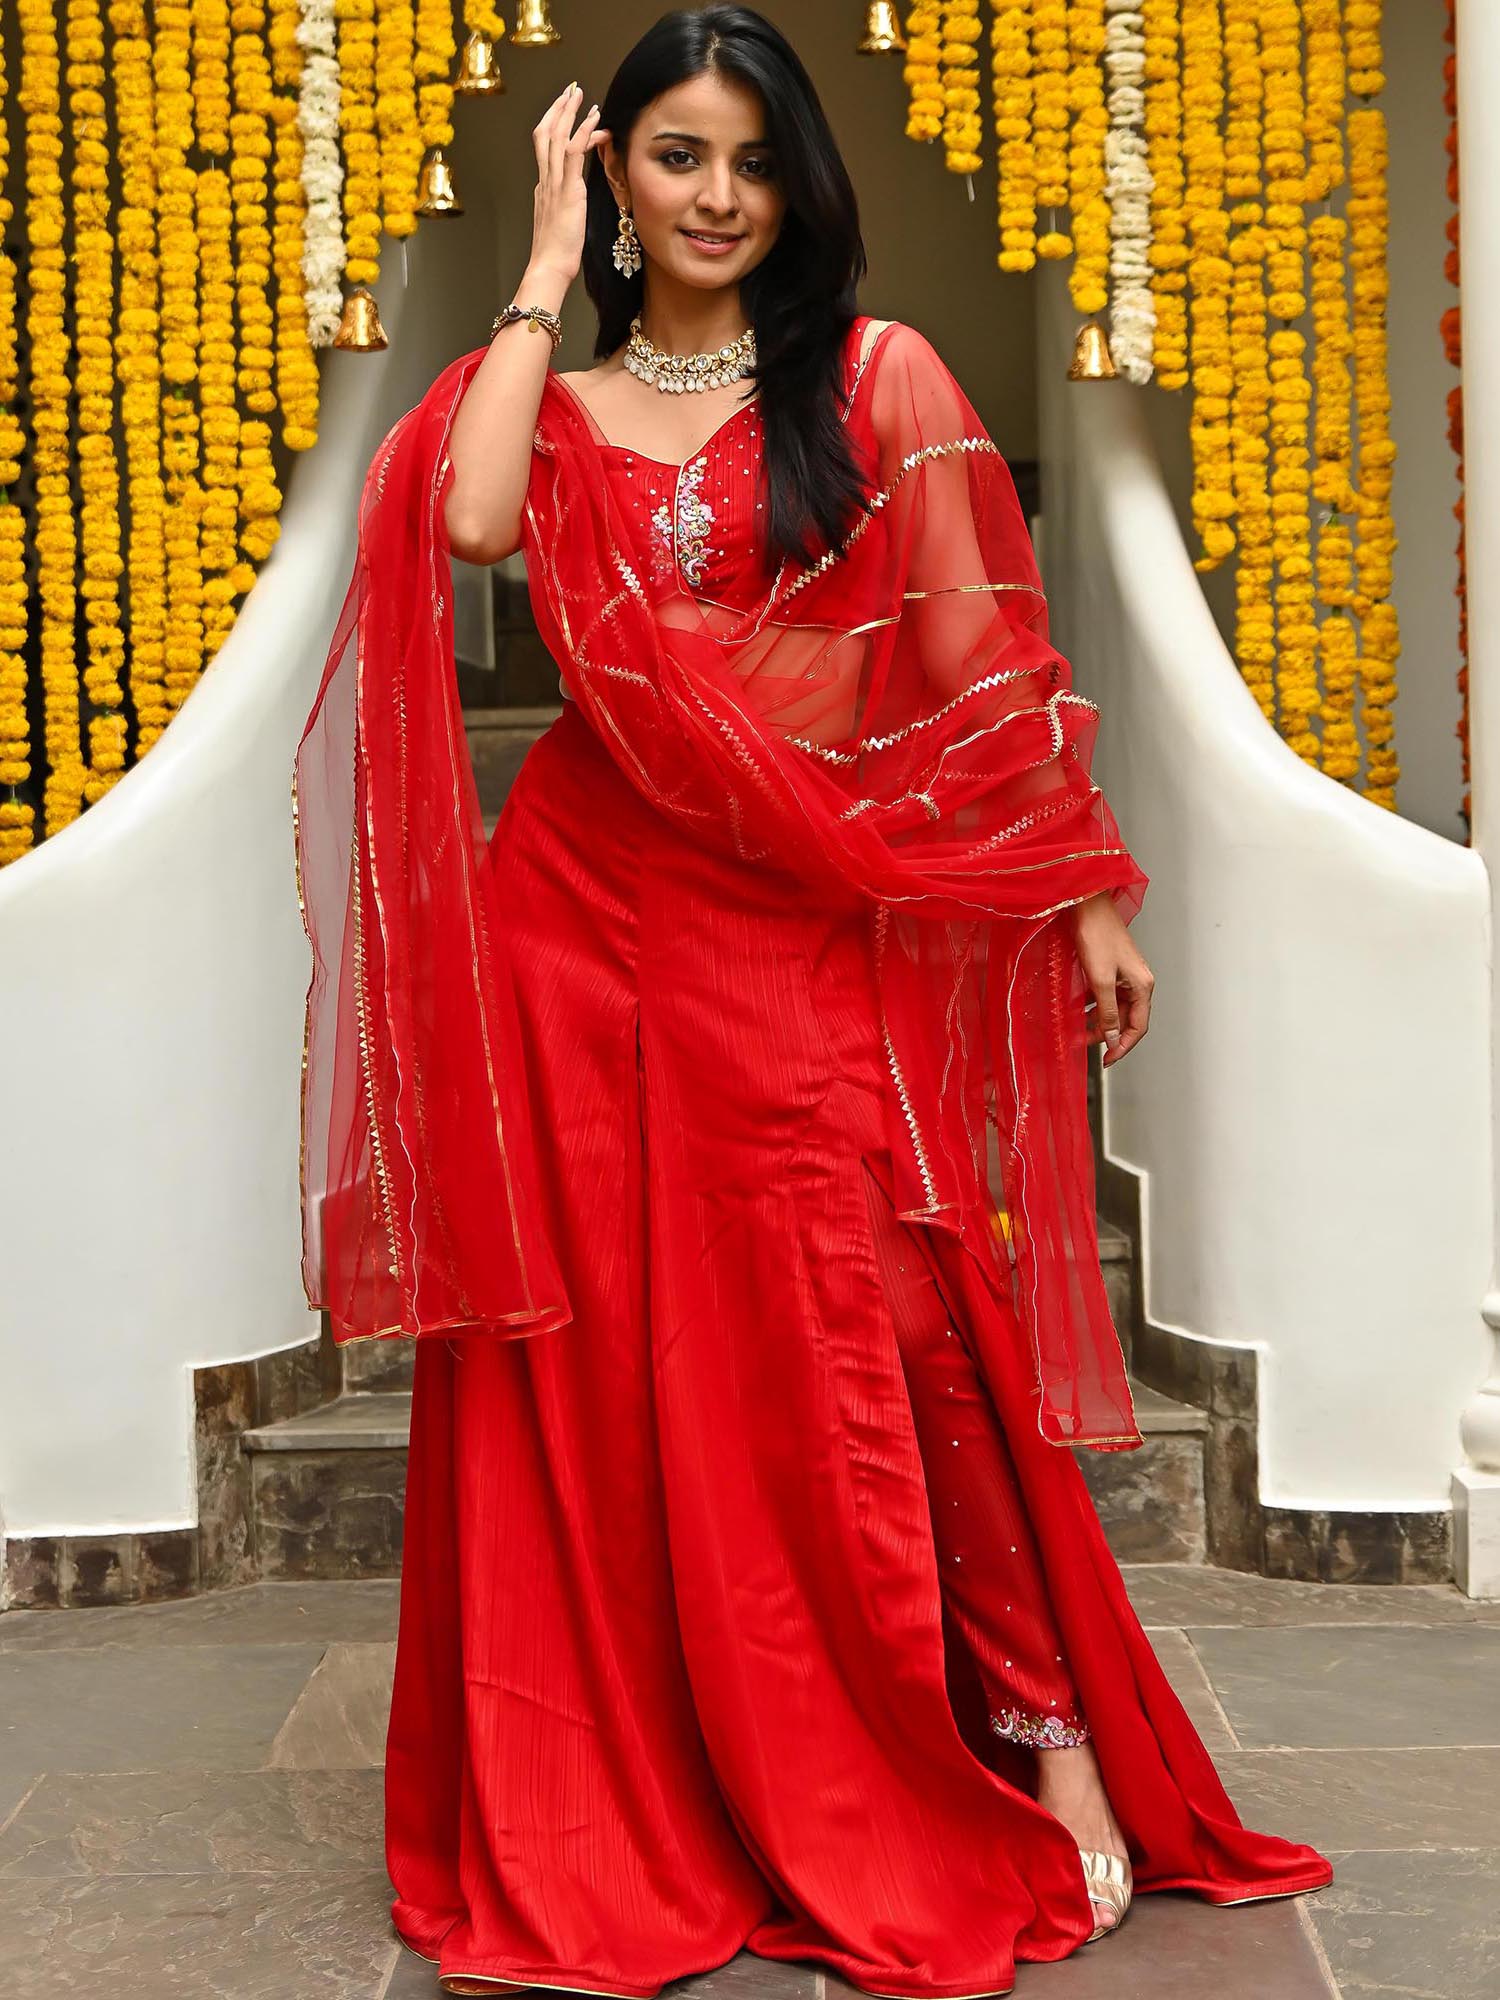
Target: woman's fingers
1106, 1015
551, 130
1131, 1004
585, 136
1118, 1014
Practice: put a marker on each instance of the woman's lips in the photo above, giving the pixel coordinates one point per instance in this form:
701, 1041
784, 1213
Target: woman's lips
711, 248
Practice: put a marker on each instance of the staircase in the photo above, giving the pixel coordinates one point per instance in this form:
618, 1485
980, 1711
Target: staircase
327, 1484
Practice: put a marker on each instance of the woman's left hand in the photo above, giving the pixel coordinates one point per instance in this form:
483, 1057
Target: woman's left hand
1118, 977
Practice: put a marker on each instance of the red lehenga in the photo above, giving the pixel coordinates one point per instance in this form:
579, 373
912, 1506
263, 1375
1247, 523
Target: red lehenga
746, 1567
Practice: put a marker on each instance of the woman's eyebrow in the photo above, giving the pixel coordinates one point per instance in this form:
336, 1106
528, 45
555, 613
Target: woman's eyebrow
694, 139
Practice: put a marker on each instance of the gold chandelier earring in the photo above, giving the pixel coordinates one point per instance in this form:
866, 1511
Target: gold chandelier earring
627, 247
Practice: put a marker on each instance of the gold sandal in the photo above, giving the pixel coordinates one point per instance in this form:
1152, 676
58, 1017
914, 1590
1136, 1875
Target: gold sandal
1111, 1882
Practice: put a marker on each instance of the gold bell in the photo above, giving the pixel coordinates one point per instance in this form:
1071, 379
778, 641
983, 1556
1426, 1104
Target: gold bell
436, 194
534, 29
359, 323
478, 70
1092, 360
882, 29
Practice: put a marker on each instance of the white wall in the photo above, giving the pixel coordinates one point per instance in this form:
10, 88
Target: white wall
1309, 1110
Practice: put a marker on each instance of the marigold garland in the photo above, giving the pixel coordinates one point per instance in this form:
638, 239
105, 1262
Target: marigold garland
921, 72
295, 334
1050, 96
98, 470
1250, 398
138, 365
433, 64
1127, 189
17, 819
400, 133
51, 392
1168, 254
1291, 390
1087, 133
1209, 272
1374, 555
178, 238
1011, 95
319, 118
1338, 638
960, 85
257, 496
356, 59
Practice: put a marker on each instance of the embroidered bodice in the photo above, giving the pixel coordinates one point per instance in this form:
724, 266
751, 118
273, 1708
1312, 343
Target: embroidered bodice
706, 516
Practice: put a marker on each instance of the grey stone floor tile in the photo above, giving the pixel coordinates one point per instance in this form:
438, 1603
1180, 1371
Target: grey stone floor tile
274, 1614
747, 1977
16, 1784
1183, 1668
1190, 1594
1378, 1685
1426, 1798
197, 1937
412, 1978
1421, 1926
197, 1822
121, 1709
1177, 1947
342, 1714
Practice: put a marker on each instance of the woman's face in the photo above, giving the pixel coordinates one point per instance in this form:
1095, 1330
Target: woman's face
697, 160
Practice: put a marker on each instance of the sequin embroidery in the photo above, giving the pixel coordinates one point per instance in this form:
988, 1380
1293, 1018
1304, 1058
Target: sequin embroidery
687, 537
1042, 1732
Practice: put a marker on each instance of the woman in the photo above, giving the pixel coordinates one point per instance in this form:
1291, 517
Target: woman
751, 1594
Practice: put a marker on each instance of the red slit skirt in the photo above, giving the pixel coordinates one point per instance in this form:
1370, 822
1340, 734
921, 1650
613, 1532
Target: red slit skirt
736, 1613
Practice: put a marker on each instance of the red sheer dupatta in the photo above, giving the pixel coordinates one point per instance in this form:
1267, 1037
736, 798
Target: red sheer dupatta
418, 1208
890, 724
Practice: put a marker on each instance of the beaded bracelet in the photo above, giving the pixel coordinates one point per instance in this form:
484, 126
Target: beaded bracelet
537, 315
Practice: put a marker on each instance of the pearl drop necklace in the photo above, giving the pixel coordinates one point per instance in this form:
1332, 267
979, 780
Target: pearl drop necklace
676, 373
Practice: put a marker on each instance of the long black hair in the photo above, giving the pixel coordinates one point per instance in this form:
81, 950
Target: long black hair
802, 296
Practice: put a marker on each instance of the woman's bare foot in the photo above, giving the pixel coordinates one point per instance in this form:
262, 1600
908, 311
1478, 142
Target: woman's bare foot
1070, 1786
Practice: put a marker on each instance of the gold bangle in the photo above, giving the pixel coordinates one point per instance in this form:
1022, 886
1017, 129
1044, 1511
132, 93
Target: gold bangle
537, 315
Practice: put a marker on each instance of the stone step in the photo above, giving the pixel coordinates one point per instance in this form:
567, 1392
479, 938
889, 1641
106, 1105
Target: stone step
498, 740
328, 1486
1151, 1501
374, 1365
355, 1421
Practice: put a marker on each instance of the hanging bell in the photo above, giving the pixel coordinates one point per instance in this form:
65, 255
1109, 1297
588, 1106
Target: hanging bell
436, 194
1092, 361
882, 29
478, 73
534, 29
359, 323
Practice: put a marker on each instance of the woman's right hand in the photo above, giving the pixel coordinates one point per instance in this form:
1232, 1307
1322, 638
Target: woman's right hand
561, 204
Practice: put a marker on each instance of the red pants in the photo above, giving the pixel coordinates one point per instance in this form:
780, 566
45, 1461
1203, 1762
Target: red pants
717, 1601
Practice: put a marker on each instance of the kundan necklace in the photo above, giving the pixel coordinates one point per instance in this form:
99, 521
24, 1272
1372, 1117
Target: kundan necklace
679, 372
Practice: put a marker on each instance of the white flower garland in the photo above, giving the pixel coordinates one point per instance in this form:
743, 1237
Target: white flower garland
1127, 187
322, 171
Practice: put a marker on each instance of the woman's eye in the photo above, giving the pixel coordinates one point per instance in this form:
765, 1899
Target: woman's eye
680, 153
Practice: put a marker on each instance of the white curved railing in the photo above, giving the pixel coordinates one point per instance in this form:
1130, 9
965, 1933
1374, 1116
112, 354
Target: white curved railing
1310, 1111
151, 1012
